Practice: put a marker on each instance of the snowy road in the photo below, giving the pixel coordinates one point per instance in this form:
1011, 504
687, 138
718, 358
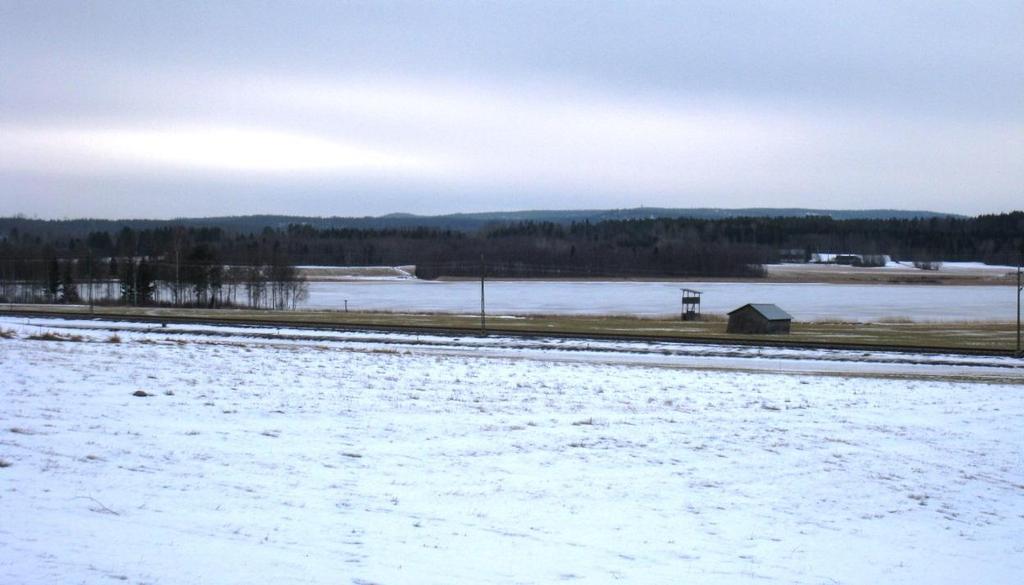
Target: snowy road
285, 457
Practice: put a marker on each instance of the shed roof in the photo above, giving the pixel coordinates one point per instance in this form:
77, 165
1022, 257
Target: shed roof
768, 311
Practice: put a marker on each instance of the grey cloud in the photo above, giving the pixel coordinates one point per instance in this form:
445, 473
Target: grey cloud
915, 104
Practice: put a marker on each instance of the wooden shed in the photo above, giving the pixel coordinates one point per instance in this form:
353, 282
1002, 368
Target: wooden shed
759, 318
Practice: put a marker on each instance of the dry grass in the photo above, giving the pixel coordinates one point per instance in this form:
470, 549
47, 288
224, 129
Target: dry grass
896, 320
964, 335
714, 317
7, 334
52, 336
115, 338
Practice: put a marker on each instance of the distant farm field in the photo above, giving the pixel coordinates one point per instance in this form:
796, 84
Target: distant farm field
964, 335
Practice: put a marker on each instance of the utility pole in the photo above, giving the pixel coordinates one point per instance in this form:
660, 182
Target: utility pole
177, 274
1020, 287
91, 283
483, 314
135, 283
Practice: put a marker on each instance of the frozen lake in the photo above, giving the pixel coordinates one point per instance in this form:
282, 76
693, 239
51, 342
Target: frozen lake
805, 301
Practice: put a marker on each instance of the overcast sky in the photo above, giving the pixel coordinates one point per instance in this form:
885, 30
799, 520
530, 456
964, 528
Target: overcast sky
165, 109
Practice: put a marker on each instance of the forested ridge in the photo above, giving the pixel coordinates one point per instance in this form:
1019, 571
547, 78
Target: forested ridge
215, 265
452, 221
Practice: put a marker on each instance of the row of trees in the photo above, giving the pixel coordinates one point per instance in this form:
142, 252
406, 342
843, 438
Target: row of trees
193, 276
213, 266
994, 239
525, 250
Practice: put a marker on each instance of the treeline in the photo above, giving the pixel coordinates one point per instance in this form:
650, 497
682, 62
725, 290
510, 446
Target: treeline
214, 266
467, 222
660, 246
993, 239
168, 267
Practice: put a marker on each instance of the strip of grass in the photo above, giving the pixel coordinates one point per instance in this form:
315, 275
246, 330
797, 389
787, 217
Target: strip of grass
970, 335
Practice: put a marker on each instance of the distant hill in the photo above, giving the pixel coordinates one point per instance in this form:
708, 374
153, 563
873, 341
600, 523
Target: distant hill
454, 221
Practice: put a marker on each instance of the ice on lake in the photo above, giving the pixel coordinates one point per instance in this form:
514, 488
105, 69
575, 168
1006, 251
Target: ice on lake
805, 301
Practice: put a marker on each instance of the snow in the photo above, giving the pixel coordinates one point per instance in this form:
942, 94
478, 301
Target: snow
978, 266
826, 267
692, 355
827, 257
825, 260
277, 456
805, 301
357, 273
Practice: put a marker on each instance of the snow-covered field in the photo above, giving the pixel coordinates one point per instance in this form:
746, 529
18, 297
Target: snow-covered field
349, 273
805, 301
274, 456
892, 268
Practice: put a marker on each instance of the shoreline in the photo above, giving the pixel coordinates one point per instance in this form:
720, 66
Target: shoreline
776, 274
